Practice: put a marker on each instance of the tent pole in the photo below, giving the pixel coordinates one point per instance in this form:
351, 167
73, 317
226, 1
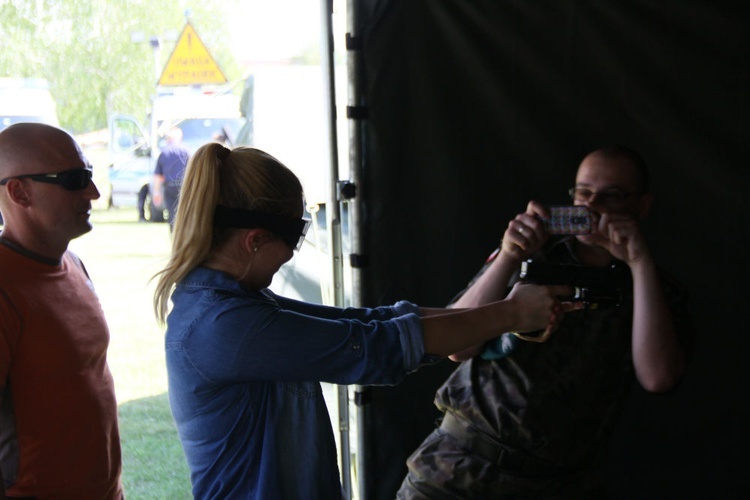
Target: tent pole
333, 219
357, 256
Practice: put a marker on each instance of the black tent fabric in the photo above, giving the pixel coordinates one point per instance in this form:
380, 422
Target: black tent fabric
476, 106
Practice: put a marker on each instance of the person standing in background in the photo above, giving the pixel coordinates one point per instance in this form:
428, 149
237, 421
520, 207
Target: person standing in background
170, 169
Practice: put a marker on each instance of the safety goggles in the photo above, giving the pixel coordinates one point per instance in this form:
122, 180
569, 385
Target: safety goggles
72, 180
290, 229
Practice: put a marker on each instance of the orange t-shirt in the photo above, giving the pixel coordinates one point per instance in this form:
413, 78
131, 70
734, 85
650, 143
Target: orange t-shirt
58, 422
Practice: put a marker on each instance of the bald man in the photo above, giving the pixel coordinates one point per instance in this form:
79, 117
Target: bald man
59, 436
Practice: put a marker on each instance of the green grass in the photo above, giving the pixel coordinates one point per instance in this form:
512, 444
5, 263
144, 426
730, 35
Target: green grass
121, 256
153, 464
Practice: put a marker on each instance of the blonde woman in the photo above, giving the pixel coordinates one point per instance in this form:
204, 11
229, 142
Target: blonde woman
244, 364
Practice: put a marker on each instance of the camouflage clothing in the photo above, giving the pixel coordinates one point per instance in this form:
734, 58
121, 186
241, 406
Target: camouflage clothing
536, 422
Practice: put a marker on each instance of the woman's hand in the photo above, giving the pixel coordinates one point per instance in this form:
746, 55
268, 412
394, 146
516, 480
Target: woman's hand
539, 307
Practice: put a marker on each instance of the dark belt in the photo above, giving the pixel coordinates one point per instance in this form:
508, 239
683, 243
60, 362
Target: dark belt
501, 455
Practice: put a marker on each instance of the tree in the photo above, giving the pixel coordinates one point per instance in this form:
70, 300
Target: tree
85, 49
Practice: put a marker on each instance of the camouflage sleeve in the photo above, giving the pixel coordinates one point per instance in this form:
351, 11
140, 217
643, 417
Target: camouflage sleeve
500, 347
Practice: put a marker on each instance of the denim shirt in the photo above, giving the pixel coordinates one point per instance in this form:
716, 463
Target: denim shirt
244, 369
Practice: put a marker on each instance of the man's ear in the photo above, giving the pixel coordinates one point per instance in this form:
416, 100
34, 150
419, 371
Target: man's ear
17, 192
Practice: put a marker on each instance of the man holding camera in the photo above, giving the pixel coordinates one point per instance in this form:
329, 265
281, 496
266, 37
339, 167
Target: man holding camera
527, 416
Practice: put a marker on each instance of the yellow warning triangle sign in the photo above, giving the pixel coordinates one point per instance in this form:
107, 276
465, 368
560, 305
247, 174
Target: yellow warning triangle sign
191, 63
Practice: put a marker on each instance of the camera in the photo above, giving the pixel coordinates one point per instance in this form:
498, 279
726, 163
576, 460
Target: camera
568, 219
596, 287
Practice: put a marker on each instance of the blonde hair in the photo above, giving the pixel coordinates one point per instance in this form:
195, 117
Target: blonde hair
245, 178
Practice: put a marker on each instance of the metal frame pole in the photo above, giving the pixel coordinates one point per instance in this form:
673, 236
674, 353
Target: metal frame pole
355, 113
333, 219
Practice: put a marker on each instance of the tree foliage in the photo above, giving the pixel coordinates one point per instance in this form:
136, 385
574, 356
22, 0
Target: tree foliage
89, 50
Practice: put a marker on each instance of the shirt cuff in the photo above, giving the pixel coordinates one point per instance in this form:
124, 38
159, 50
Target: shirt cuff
412, 341
403, 307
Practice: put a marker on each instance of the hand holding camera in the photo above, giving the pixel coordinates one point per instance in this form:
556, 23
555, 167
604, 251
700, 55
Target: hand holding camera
528, 231
621, 236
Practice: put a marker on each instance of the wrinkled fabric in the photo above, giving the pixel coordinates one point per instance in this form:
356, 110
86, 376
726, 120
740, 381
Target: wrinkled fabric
243, 369
556, 403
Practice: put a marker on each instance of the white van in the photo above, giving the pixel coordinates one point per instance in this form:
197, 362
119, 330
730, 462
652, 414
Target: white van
204, 116
26, 100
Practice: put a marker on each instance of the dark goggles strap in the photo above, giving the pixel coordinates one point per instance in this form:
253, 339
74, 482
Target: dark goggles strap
290, 229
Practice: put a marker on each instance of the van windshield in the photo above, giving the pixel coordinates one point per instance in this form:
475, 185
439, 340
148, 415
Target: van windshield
199, 131
7, 121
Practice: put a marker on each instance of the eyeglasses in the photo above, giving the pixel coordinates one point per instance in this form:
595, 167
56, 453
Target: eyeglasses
609, 197
72, 180
290, 229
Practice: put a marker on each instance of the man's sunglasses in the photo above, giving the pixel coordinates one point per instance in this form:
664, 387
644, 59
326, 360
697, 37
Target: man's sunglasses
72, 180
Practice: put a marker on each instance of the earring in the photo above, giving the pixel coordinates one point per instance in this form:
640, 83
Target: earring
255, 249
